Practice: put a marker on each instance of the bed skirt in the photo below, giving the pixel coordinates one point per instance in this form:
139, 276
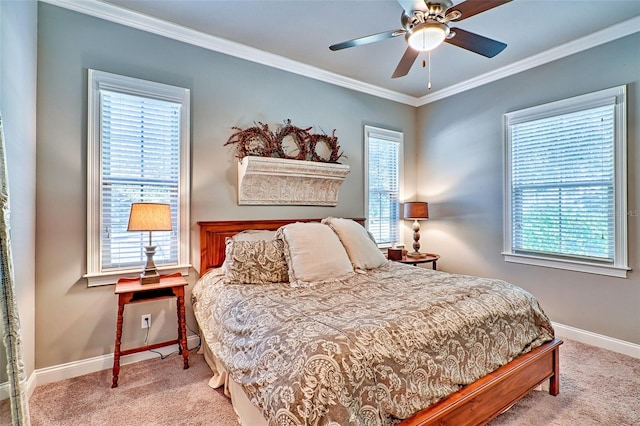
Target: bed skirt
248, 414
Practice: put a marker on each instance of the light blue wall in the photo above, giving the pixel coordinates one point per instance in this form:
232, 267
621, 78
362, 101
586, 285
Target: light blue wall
458, 169
460, 152
75, 322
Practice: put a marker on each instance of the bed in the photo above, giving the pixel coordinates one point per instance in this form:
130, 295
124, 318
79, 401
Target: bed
370, 361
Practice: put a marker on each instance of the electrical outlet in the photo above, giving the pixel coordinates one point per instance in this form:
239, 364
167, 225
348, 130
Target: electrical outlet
146, 321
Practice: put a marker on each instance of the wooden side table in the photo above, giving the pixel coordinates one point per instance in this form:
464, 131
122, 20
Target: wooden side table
130, 290
428, 258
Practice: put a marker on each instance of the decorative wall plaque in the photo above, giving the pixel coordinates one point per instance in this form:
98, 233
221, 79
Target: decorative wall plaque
281, 181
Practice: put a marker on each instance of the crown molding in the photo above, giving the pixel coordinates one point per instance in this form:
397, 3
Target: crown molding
177, 32
187, 35
614, 32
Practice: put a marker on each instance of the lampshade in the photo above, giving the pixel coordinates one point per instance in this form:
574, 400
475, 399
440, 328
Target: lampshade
150, 217
427, 36
416, 210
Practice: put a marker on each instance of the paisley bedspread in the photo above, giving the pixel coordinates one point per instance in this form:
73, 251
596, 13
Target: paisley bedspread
369, 350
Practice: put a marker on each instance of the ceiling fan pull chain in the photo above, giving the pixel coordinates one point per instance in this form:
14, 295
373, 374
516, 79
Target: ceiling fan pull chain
429, 57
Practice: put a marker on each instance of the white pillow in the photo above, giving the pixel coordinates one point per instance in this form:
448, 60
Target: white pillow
362, 251
314, 254
255, 235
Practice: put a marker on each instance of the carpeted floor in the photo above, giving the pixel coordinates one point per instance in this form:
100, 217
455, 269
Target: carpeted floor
598, 387
154, 392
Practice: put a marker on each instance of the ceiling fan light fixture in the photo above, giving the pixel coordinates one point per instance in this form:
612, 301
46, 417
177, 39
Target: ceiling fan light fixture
427, 36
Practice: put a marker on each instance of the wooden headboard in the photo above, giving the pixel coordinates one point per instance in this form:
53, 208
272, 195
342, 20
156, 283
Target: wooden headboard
214, 234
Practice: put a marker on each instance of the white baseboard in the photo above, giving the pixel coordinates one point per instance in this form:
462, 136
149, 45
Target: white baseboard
56, 373
29, 385
599, 340
91, 365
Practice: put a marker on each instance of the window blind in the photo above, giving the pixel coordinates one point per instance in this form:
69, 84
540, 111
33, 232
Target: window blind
384, 187
563, 184
140, 162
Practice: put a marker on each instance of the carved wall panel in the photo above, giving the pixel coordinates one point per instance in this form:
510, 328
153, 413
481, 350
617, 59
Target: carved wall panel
279, 181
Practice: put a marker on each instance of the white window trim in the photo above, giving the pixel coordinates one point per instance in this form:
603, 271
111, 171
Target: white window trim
392, 136
97, 81
620, 265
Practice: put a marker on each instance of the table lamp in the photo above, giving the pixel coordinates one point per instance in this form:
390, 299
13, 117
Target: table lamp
150, 217
416, 210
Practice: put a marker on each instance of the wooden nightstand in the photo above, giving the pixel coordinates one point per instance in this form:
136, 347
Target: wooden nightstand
129, 290
429, 258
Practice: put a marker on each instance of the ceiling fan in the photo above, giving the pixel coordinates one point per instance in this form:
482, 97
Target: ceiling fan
425, 25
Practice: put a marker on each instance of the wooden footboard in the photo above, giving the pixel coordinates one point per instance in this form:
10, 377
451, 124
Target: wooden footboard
486, 398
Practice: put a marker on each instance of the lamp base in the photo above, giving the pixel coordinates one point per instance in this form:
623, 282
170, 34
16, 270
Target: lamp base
146, 278
150, 274
416, 255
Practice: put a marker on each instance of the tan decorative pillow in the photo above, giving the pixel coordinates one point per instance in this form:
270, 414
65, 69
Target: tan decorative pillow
255, 262
363, 252
314, 254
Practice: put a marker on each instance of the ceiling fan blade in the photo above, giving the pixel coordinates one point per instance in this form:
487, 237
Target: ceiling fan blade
476, 43
473, 7
410, 5
367, 39
406, 62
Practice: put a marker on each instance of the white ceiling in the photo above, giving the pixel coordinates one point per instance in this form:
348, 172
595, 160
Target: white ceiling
534, 30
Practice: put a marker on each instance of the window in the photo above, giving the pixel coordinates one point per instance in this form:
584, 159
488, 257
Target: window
138, 151
383, 151
565, 186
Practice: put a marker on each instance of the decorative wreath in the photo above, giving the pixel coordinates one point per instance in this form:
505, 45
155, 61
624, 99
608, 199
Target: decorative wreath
260, 141
330, 142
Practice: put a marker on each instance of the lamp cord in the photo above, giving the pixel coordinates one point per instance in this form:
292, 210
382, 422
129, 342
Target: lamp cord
163, 356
